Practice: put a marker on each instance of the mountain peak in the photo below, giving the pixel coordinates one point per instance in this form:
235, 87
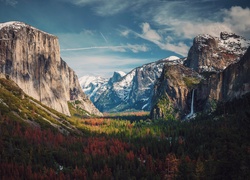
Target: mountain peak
226, 35
16, 26
116, 76
172, 58
121, 73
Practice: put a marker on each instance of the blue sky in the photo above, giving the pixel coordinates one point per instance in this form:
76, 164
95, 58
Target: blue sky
98, 37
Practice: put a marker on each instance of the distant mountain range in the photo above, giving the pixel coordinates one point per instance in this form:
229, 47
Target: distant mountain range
126, 92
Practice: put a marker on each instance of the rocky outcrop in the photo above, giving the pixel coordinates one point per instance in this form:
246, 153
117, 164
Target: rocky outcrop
214, 54
172, 90
232, 83
224, 65
31, 58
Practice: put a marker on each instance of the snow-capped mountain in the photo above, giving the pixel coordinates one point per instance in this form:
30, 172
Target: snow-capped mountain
132, 91
95, 86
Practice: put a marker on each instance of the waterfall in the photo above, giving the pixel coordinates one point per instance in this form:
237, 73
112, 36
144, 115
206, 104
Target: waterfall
191, 114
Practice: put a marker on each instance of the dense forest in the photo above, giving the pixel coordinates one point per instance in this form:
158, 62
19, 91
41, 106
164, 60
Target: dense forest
126, 145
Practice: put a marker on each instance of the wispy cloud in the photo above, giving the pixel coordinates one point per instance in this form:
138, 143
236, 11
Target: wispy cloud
238, 19
155, 37
149, 34
111, 7
188, 25
122, 48
104, 37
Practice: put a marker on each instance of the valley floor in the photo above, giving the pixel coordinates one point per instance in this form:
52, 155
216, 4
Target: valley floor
35, 144
135, 148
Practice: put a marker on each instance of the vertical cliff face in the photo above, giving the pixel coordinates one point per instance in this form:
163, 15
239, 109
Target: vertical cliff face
31, 58
232, 83
172, 90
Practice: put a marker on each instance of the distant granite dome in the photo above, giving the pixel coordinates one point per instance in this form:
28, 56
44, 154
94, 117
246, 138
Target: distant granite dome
116, 77
31, 58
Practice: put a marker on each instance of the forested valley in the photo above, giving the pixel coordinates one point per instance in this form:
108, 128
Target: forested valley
127, 145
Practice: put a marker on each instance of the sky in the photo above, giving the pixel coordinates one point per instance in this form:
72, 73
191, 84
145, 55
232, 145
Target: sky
98, 37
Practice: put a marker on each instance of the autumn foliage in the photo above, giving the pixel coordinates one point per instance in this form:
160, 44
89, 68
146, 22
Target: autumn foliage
113, 148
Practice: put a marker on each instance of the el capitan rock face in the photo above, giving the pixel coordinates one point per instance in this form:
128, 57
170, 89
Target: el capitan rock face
31, 58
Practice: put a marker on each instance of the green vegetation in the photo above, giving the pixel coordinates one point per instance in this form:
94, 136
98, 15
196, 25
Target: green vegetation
121, 146
166, 108
191, 81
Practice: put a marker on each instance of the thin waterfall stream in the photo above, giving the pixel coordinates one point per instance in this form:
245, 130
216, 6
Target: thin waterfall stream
191, 114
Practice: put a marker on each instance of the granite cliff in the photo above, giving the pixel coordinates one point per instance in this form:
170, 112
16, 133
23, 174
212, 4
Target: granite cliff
214, 54
222, 67
31, 58
172, 90
225, 86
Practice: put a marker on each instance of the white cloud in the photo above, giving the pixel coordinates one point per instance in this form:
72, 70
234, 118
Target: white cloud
179, 48
188, 25
172, 28
125, 32
87, 32
238, 19
150, 34
191, 29
137, 48
155, 37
